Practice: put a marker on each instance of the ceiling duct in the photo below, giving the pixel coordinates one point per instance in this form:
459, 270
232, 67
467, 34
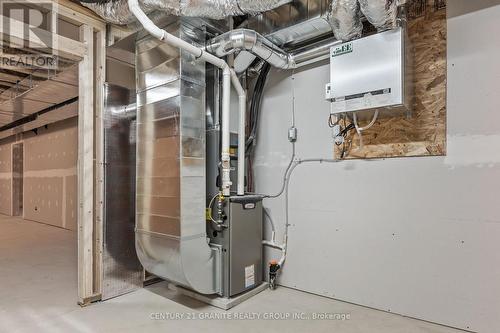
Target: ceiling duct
283, 22
380, 13
345, 16
345, 19
117, 11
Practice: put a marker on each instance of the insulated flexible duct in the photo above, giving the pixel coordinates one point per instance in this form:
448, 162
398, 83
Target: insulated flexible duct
345, 19
344, 16
117, 11
380, 13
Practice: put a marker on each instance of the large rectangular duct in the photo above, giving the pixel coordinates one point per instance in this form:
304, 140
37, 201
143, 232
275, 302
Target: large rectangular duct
171, 239
293, 23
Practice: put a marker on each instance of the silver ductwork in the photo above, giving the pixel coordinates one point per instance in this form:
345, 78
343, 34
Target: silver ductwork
117, 11
258, 46
310, 18
345, 16
253, 42
171, 239
380, 13
345, 19
301, 21
294, 23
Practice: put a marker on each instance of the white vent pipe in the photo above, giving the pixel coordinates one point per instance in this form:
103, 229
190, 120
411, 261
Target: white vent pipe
242, 98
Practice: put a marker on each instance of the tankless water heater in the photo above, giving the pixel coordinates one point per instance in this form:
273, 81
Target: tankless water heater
371, 73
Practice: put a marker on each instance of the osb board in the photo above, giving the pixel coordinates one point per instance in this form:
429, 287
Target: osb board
424, 133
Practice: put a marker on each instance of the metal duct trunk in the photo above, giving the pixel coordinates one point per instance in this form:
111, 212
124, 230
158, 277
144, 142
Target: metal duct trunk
171, 237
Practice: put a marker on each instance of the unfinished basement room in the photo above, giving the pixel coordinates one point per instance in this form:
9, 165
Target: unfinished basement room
250, 166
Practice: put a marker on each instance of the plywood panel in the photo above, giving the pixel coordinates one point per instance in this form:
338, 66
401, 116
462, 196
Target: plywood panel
424, 133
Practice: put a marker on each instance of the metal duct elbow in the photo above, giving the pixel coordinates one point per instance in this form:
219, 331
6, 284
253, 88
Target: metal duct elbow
345, 19
253, 42
380, 13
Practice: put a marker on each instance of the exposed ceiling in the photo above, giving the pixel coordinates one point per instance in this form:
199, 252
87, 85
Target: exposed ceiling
34, 98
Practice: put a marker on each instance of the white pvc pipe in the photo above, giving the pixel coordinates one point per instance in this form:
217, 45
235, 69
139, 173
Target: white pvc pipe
168, 38
242, 98
226, 137
359, 130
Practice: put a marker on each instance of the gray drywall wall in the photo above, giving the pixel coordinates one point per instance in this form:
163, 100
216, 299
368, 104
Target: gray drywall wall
414, 236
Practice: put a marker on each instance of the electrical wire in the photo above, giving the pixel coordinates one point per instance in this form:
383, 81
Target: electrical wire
273, 226
210, 208
292, 158
253, 121
255, 107
296, 163
361, 129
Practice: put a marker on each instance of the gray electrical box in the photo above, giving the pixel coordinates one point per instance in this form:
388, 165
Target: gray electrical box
371, 73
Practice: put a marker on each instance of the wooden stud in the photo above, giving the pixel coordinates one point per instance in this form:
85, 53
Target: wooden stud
100, 79
65, 47
79, 15
86, 168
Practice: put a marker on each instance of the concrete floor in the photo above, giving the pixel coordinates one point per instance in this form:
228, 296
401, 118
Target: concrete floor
38, 284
